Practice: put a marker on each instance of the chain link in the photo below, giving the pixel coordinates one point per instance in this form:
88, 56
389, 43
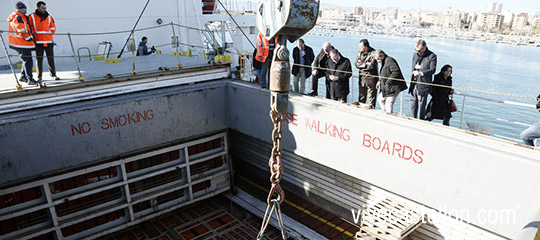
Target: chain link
276, 168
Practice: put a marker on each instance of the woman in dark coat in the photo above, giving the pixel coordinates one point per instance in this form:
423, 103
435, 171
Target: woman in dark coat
439, 106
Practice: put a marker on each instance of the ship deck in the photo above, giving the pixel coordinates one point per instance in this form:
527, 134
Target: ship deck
92, 70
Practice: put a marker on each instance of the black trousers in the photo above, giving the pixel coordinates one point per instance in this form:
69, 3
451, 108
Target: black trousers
26, 56
50, 59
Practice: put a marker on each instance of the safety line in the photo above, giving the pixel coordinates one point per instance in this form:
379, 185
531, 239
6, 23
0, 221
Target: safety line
424, 83
416, 82
295, 64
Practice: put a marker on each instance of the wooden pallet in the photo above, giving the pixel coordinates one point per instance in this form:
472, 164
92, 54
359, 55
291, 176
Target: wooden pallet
388, 220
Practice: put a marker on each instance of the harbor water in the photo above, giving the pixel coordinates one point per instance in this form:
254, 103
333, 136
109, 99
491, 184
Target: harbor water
490, 67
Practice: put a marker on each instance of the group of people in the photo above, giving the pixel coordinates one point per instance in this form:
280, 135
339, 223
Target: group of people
378, 73
34, 32
381, 79
29, 33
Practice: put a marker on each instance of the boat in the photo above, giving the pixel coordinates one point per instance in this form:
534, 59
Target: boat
179, 149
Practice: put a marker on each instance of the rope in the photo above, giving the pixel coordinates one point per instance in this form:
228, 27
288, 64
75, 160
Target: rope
96, 33
253, 45
192, 28
109, 33
112, 53
417, 82
133, 29
295, 64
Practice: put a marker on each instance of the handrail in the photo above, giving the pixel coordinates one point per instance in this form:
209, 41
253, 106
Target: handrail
498, 101
79, 53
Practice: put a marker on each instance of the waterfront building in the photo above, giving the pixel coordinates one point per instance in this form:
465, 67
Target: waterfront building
367, 14
520, 21
392, 13
490, 22
494, 7
451, 18
331, 12
357, 10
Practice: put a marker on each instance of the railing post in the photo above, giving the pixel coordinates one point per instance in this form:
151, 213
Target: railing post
462, 113
352, 88
134, 70
81, 78
18, 86
401, 104
177, 41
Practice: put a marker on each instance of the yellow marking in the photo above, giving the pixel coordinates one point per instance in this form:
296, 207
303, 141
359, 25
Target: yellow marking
537, 237
304, 210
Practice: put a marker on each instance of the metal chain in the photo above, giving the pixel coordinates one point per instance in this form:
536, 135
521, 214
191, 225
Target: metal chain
276, 171
276, 168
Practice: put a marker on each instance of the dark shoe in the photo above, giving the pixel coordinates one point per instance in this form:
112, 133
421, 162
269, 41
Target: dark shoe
23, 79
55, 78
39, 79
312, 93
32, 82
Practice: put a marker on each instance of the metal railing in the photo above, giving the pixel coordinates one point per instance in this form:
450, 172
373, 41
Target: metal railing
462, 103
76, 54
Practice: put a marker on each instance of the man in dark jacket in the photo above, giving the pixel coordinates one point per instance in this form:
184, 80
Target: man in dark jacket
338, 73
142, 50
302, 55
389, 83
366, 63
321, 62
424, 65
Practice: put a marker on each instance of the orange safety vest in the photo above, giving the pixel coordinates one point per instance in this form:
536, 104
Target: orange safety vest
20, 33
263, 48
43, 29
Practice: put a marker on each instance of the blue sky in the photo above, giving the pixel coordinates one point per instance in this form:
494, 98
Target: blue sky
516, 6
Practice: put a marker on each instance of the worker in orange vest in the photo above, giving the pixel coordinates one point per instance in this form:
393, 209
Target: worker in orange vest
265, 51
21, 40
43, 28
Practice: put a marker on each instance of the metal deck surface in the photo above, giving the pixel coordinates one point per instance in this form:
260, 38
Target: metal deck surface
209, 219
96, 70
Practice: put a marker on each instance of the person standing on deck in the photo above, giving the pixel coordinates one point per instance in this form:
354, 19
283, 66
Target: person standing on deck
439, 106
319, 65
257, 66
302, 56
533, 132
43, 27
265, 52
367, 65
391, 81
21, 40
338, 73
142, 50
424, 65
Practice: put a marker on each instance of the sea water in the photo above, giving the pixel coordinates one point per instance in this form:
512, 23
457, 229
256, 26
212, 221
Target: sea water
490, 67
